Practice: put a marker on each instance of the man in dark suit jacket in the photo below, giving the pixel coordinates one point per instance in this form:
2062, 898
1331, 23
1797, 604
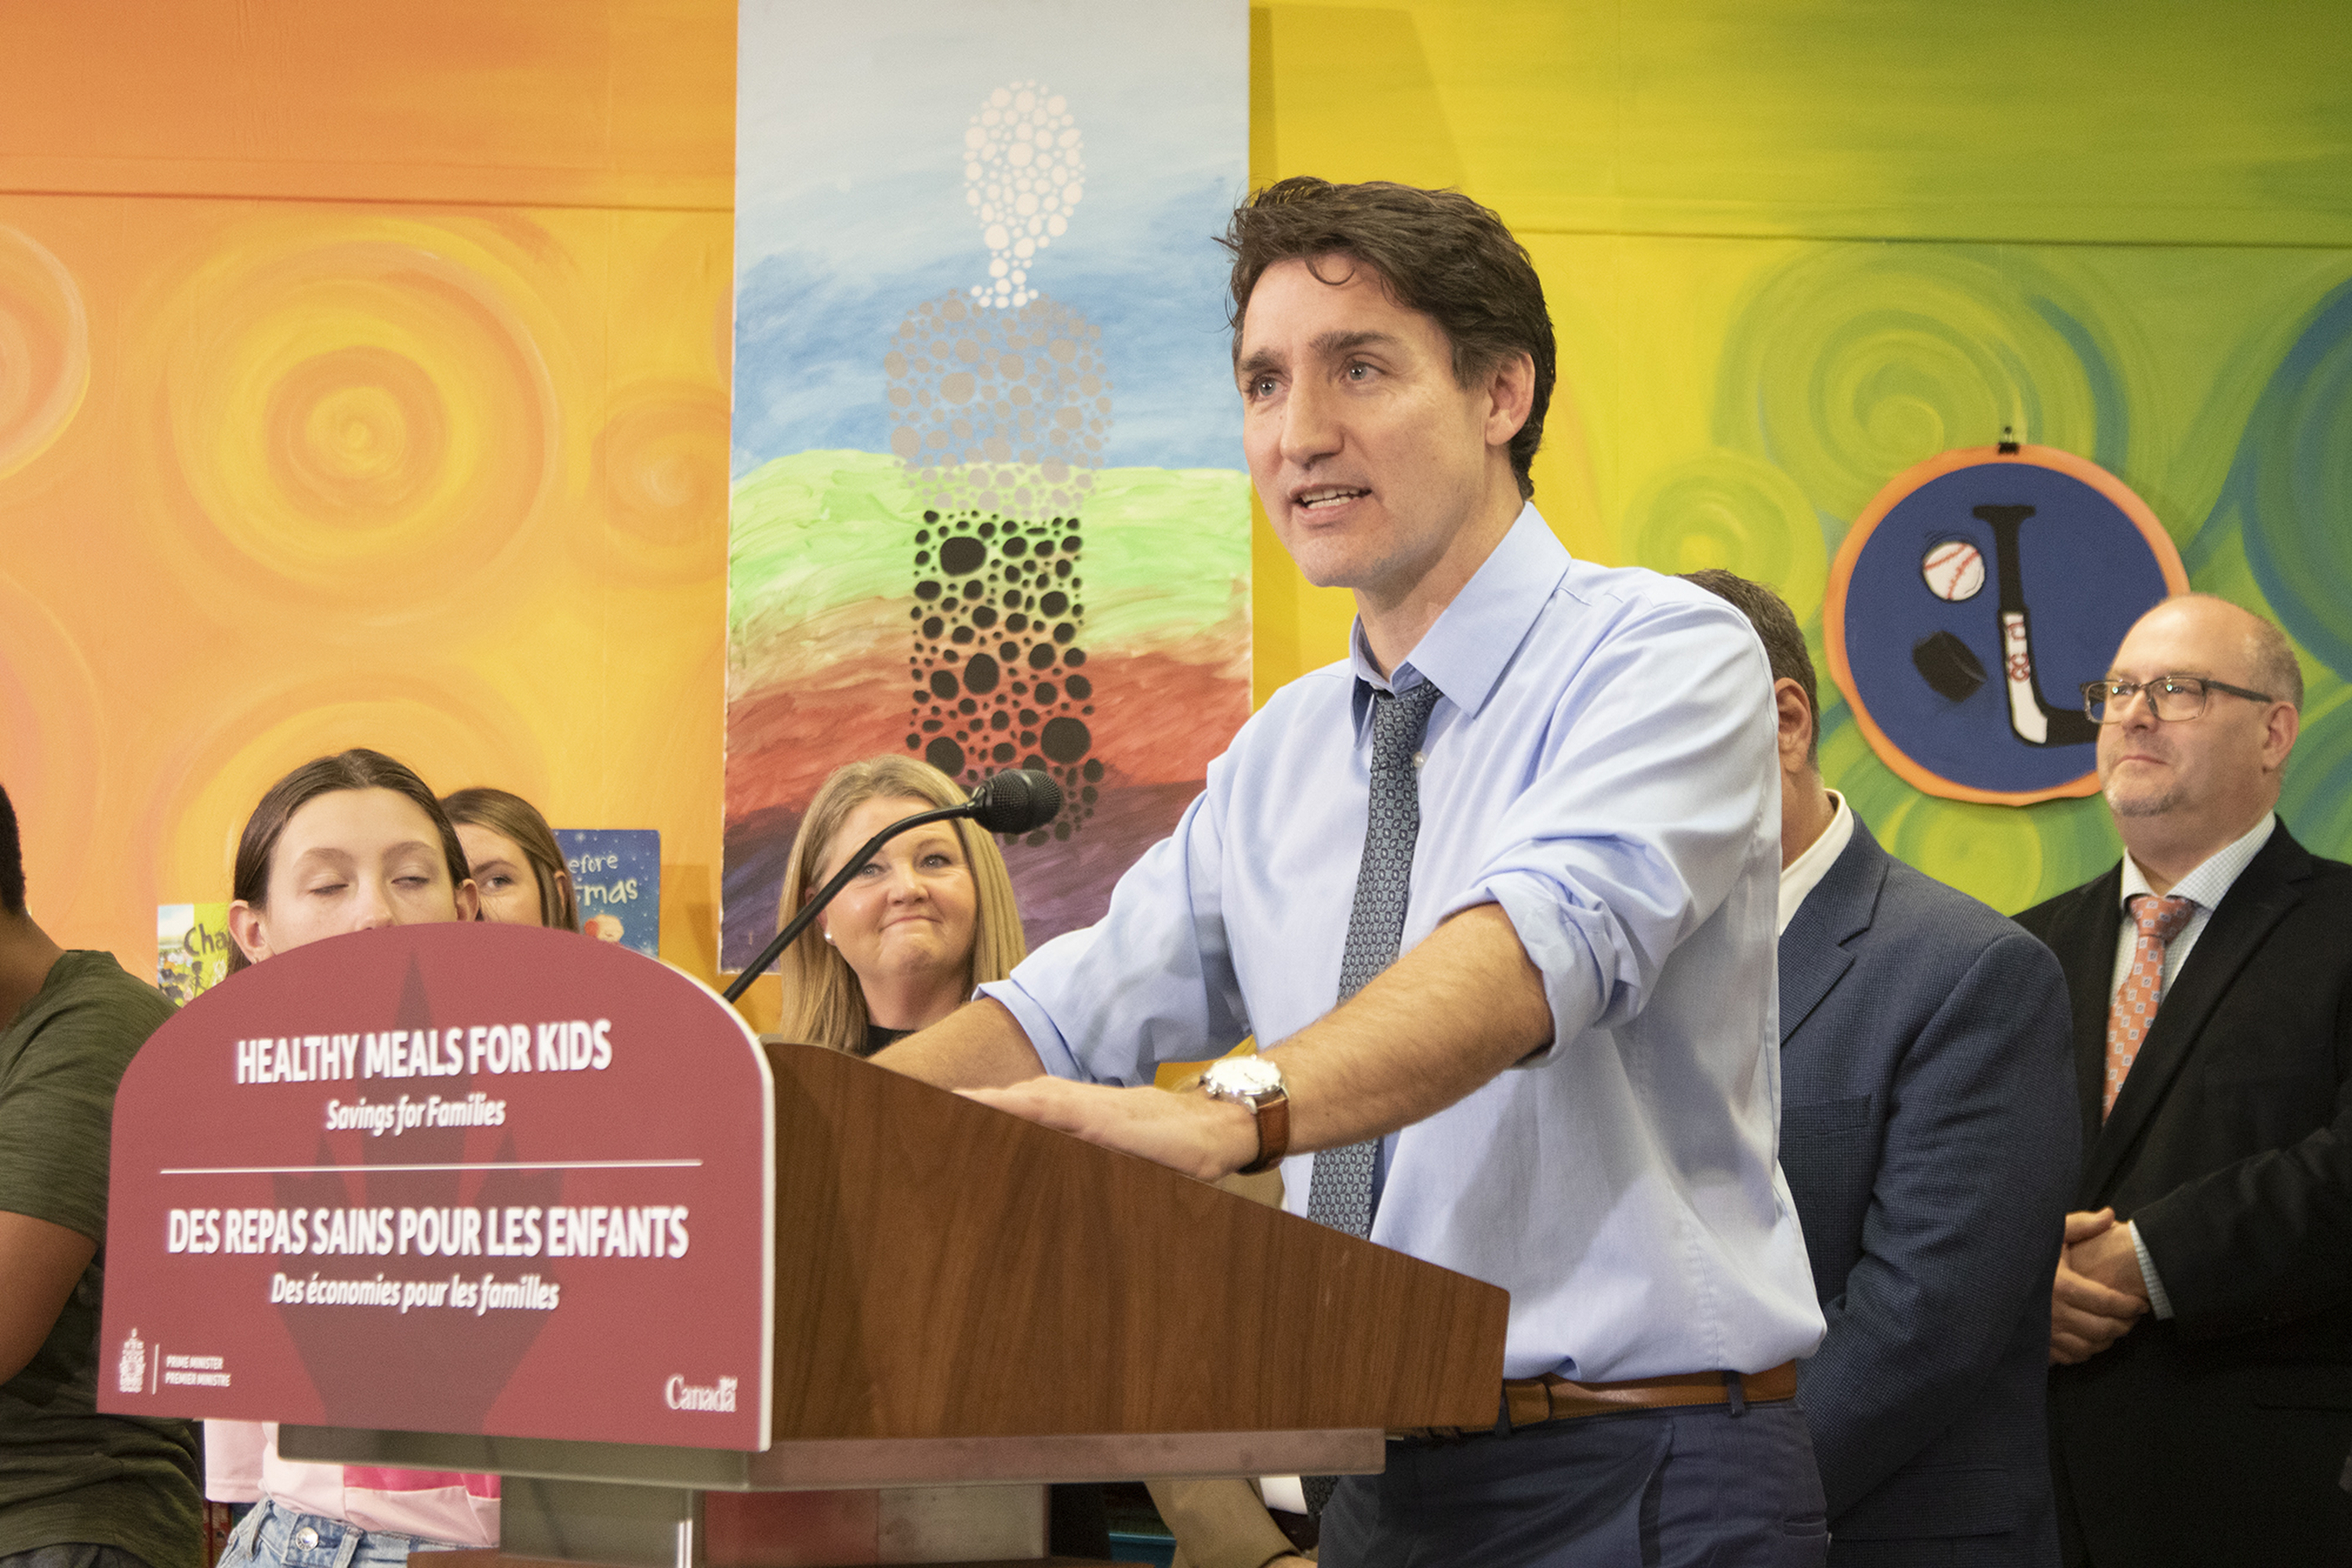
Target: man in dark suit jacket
2202, 1318
1928, 1136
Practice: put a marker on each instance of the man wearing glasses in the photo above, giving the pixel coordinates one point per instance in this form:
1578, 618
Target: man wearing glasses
2201, 1316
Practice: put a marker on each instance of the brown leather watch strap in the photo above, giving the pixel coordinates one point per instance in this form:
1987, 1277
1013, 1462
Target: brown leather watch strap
1272, 1132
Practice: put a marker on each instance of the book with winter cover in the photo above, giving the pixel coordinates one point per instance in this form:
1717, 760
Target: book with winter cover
617, 876
191, 948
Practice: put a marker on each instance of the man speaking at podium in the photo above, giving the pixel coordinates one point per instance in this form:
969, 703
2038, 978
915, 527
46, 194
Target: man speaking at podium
1500, 888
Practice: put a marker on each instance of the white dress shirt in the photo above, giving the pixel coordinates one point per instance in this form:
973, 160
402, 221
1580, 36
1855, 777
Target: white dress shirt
1802, 875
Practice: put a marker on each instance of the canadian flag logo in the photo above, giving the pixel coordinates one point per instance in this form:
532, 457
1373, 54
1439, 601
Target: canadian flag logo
131, 1373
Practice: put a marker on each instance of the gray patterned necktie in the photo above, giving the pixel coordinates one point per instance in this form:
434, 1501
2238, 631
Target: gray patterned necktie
1340, 1194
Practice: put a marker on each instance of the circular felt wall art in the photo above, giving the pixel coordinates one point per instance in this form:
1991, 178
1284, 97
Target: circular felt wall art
1970, 602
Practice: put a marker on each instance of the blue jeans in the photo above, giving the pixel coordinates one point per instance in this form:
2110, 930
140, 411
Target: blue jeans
1651, 1488
276, 1537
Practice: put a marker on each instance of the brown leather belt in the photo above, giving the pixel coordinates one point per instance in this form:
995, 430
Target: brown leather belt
1531, 1401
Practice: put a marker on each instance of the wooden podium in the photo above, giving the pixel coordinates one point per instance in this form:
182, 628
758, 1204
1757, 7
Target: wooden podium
496, 1199
968, 1307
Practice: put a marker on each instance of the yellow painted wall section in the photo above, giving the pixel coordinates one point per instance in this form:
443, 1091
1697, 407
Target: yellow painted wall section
1587, 120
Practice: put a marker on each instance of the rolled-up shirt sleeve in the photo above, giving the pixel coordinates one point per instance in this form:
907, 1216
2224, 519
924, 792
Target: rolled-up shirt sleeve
1657, 772
1153, 980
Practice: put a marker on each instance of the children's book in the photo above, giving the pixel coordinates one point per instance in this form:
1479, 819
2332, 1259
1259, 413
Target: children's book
617, 876
191, 948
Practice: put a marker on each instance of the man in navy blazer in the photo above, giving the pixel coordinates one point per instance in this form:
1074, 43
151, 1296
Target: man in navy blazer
1929, 1135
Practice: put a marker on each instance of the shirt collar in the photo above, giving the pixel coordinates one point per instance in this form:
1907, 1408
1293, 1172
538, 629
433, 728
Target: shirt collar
1801, 876
2210, 883
1474, 637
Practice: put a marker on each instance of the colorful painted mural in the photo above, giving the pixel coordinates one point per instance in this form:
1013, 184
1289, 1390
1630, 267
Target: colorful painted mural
987, 510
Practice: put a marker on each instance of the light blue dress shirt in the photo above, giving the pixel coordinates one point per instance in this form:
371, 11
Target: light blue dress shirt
1603, 766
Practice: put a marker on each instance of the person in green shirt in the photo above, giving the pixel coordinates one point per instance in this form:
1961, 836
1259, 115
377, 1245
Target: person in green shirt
78, 1489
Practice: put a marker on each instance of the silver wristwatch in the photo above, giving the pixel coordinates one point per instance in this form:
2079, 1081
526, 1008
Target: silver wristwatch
1257, 1083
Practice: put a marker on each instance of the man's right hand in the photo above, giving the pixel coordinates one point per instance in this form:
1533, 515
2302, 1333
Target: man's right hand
2087, 1317
1205, 1139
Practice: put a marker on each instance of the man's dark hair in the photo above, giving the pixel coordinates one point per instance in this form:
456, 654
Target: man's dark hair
1439, 252
1784, 640
12, 860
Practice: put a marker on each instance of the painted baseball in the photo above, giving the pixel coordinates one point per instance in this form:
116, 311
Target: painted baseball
1954, 570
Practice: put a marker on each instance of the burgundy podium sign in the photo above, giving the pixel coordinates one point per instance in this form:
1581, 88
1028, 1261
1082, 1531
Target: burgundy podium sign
447, 1178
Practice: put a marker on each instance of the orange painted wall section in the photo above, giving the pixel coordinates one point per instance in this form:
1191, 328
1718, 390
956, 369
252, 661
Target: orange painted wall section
364, 380
622, 103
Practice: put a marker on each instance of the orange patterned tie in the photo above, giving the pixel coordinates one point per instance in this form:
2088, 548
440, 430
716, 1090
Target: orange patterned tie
2159, 921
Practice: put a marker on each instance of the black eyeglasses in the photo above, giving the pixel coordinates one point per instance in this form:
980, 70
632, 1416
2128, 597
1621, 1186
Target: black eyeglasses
2172, 697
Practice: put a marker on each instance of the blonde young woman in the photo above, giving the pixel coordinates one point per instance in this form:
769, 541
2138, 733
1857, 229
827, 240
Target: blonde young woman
925, 920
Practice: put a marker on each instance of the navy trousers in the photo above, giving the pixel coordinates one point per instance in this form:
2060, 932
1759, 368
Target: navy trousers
1652, 1488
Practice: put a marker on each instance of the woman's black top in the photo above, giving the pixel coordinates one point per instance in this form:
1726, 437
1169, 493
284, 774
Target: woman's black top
876, 1036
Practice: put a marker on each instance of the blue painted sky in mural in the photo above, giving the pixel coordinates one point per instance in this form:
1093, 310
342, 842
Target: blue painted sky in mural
847, 218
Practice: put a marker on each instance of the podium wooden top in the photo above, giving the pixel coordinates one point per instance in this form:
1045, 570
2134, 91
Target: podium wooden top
946, 1271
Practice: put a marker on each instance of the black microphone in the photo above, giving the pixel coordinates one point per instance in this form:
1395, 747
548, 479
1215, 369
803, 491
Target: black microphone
1018, 800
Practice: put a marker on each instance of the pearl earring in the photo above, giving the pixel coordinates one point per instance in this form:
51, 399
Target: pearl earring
828, 936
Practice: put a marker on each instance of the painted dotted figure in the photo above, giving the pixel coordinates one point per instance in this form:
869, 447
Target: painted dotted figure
1023, 173
1000, 410
999, 676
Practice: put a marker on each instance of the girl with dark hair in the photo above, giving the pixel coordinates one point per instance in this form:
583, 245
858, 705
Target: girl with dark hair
341, 843
514, 859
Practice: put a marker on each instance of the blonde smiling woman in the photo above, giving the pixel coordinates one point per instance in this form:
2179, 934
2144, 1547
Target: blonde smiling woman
928, 918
